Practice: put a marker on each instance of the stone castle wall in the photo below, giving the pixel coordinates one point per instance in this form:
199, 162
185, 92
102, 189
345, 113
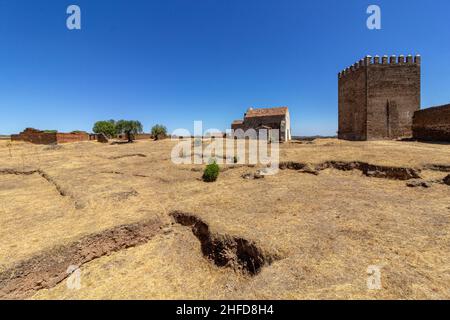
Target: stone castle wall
352, 105
378, 98
432, 124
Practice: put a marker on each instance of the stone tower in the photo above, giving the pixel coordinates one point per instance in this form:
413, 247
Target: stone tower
378, 98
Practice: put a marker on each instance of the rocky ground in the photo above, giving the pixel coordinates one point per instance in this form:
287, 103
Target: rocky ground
138, 226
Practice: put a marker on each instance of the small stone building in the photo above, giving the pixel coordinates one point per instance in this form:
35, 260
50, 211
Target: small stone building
43, 137
266, 118
432, 124
378, 98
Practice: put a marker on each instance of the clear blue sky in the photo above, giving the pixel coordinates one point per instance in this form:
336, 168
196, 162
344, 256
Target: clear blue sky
176, 61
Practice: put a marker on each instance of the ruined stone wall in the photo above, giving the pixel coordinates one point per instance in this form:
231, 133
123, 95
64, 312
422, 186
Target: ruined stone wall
35, 136
40, 137
378, 97
432, 124
71, 137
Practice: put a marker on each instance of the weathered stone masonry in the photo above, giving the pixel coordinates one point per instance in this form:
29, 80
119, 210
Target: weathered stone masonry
265, 118
432, 124
378, 97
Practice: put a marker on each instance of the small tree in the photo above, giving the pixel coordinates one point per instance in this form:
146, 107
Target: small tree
211, 172
129, 127
159, 131
108, 128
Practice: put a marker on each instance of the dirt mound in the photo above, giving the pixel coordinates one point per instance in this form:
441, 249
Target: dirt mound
418, 183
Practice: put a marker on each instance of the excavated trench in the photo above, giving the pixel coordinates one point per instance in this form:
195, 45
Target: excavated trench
49, 268
369, 170
140, 155
224, 250
123, 173
62, 192
437, 167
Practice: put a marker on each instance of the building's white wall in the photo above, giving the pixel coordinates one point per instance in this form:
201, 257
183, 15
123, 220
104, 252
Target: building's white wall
288, 131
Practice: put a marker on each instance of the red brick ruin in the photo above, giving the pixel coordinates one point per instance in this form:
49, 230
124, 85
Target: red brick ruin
42, 137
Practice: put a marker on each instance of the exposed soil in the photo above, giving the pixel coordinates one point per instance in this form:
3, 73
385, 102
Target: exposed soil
224, 250
437, 167
370, 170
47, 269
446, 180
18, 172
418, 183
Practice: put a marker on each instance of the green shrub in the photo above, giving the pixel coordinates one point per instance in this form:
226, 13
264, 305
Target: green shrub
211, 172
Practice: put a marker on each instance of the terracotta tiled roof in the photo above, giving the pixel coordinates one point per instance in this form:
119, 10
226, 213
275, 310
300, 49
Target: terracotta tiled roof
238, 122
280, 111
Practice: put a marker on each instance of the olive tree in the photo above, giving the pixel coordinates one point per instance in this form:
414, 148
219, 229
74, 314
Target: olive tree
159, 131
129, 127
108, 128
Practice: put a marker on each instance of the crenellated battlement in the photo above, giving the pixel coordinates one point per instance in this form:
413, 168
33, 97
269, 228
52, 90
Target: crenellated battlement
384, 60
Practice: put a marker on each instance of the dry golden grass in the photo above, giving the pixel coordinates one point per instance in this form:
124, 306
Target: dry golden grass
328, 228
